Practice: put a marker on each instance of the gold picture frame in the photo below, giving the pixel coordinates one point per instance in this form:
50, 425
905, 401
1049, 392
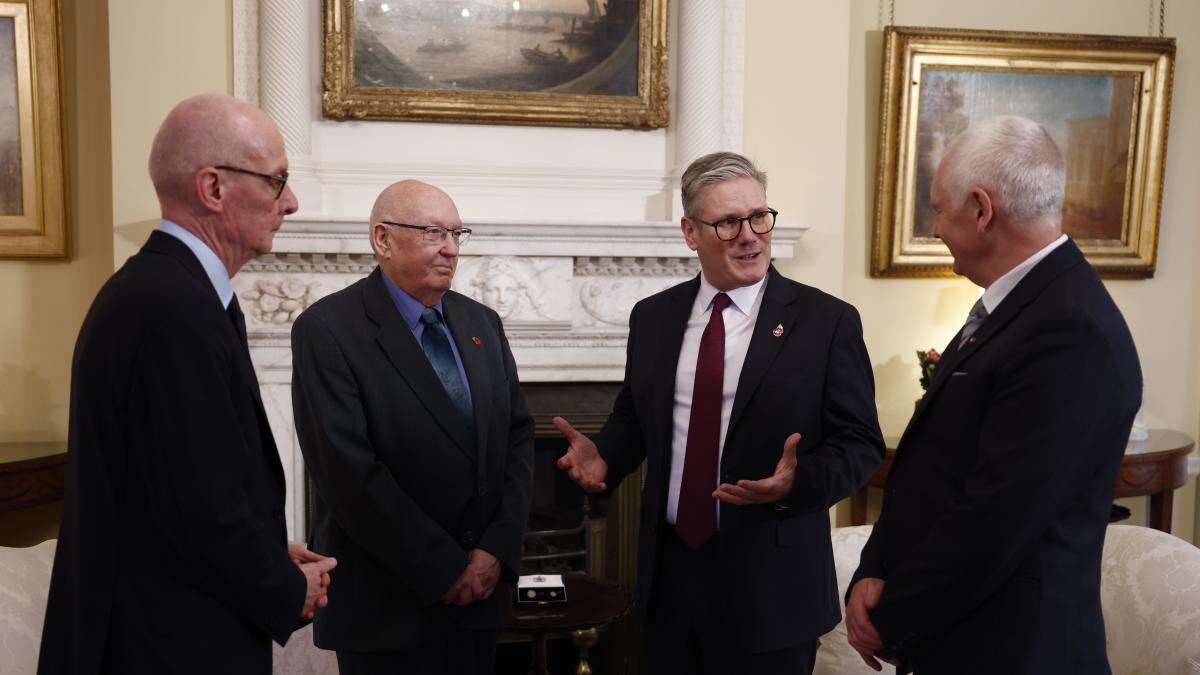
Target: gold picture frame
1105, 99
33, 204
619, 82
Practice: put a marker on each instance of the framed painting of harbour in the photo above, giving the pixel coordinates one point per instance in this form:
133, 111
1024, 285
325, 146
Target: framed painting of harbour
586, 63
33, 221
1105, 100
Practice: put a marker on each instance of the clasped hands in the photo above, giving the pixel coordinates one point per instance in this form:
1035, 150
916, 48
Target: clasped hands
477, 581
316, 568
860, 631
585, 466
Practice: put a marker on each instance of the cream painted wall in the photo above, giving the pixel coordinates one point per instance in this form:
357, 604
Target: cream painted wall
162, 52
802, 57
45, 302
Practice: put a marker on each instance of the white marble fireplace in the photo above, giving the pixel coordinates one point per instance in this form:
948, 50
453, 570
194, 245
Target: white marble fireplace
571, 226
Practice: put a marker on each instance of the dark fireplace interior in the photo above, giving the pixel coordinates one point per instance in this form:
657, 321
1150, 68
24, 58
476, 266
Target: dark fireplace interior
572, 532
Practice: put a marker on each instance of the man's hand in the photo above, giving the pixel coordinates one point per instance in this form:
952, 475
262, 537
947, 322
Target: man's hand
477, 581
769, 489
582, 461
299, 553
317, 575
860, 632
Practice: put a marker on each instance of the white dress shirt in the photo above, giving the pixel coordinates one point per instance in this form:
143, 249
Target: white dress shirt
213, 267
1001, 287
739, 319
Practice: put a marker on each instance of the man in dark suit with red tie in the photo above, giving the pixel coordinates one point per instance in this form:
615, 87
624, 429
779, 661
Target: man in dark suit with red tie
751, 398
172, 556
986, 555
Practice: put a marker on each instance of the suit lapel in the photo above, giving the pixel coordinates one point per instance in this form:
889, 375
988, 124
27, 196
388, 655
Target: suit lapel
161, 242
1026, 291
672, 324
402, 350
465, 332
778, 308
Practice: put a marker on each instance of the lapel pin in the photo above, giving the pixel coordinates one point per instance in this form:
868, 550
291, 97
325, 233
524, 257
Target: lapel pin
971, 340
778, 330
477, 341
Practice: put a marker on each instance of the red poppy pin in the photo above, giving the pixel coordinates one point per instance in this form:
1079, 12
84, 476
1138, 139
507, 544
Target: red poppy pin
477, 341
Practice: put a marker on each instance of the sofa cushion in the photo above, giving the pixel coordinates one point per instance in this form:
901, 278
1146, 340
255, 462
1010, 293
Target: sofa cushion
25, 575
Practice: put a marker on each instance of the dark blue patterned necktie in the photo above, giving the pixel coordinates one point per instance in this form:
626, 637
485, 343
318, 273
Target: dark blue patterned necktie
441, 357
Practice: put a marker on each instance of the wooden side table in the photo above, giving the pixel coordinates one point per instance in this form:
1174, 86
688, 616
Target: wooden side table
32, 480
31, 474
1155, 467
592, 604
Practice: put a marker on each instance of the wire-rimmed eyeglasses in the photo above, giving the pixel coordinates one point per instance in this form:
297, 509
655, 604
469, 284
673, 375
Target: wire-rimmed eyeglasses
278, 182
435, 234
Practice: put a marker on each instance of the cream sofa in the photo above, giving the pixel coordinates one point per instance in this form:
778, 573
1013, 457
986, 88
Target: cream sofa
1149, 589
1150, 592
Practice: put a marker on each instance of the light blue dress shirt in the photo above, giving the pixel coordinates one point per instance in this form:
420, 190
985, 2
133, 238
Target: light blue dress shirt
213, 267
410, 308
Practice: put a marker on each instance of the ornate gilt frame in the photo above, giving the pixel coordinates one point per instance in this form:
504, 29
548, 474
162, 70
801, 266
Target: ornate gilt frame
896, 252
41, 230
342, 99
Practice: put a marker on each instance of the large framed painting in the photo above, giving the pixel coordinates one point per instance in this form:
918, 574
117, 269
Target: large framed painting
33, 219
587, 63
1105, 101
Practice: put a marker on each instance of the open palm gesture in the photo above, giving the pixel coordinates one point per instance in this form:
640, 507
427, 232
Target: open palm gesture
770, 489
582, 462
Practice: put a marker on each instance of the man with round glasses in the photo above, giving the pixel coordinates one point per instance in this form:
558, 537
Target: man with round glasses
172, 556
414, 430
751, 399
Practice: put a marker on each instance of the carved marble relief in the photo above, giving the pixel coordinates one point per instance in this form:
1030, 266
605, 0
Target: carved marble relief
524, 291
279, 300
606, 289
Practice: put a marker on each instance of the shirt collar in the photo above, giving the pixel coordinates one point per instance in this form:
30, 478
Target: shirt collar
1001, 287
742, 297
213, 267
409, 307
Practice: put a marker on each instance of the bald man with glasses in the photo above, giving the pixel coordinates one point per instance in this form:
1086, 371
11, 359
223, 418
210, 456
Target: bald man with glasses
416, 434
172, 556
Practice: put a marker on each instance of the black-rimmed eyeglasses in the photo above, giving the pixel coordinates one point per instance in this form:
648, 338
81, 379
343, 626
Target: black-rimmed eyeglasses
728, 229
278, 182
434, 234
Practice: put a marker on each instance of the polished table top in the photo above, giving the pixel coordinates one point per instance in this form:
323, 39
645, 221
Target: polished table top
1160, 440
11, 453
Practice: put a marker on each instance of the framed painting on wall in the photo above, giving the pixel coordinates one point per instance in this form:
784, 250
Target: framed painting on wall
1104, 100
586, 63
33, 220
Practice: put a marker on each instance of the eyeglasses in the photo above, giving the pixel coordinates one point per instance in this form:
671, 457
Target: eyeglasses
278, 182
434, 234
761, 222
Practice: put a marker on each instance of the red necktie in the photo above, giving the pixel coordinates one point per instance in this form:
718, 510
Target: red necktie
696, 517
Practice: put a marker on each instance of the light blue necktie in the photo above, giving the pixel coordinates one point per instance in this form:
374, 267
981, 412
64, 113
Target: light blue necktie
441, 357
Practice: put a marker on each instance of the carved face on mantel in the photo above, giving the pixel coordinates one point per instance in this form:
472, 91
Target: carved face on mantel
508, 285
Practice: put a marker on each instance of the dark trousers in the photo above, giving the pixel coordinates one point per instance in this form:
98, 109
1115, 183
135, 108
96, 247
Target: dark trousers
688, 629
455, 652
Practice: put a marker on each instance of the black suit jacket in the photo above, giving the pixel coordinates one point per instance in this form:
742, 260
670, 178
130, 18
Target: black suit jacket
172, 554
815, 379
405, 489
996, 506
